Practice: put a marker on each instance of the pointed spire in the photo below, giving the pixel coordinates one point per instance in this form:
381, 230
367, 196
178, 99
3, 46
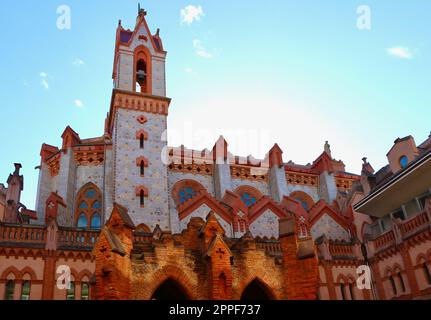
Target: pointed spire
220, 150
276, 156
327, 148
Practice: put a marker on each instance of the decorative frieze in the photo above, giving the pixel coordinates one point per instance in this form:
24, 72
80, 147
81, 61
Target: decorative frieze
89, 155
195, 168
248, 173
303, 179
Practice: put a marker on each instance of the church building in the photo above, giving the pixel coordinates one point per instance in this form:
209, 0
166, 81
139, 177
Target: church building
133, 218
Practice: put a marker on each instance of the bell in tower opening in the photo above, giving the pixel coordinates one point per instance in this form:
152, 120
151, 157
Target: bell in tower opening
141, 77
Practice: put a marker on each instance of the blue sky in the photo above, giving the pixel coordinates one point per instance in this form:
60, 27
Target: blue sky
293, 72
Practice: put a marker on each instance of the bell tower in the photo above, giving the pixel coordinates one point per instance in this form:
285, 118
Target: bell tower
137, 122
139, 62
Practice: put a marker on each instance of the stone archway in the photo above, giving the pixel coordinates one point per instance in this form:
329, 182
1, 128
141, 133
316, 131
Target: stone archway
257, 290
170, 290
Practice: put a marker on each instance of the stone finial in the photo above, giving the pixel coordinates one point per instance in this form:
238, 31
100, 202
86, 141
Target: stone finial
275, 157
141, 11
327, 148
18, 166
364, 160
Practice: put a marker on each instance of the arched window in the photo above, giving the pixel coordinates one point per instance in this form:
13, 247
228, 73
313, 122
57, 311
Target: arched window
304, 199
394, 286
248, 195
343, 293
82, 221
142, 141
9, 290
427, 273
95, 221
248, 199
141, 76
70, 293
352, 295
142, 168
142, 198
25, 290
404, 161
403, 287
85, 291
89, 207
186, 194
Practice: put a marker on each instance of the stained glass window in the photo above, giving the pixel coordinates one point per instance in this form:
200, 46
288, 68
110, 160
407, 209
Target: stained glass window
404, 161
25, 292
82, 221
186, 194
91, 194
70, 294
248, 199
303, 203
83, 205
10, 289
85, 291
89, 206
96, 205
95, 221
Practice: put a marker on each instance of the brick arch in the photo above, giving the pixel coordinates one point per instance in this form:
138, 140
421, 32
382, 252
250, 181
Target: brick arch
421, 258
10, 270
303, 197
30, 272
195, 185
143, 228
142, 53
249, 189
173, 273
393, 270
264, 280
84, 273
345, 279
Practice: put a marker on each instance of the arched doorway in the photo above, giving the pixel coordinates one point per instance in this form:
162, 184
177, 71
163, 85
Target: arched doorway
170, 290
256, 290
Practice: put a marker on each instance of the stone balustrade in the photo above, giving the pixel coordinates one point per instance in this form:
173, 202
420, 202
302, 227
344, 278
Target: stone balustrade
17, 234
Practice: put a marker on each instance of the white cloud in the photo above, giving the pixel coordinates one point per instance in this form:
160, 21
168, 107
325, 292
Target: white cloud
78, 103
200, 49
400, 52
44, 80
78, 62
191, 13
188, 70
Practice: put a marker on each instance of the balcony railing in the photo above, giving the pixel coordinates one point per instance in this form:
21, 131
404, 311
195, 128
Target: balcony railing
77, 239
414, 224
385, 240
272, 247
16, 234
341, 250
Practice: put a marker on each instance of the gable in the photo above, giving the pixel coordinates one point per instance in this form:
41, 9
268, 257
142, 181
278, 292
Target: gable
266, 225
327, 226
202, 212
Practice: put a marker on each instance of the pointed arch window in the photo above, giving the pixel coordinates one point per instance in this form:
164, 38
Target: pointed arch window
142, 141
142, 168
95, 222
352, 292
89, 208
70, 293
343, 293
25, 291
82, 221
427, 273
9, 290
85, 291
403, 286
393, 285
